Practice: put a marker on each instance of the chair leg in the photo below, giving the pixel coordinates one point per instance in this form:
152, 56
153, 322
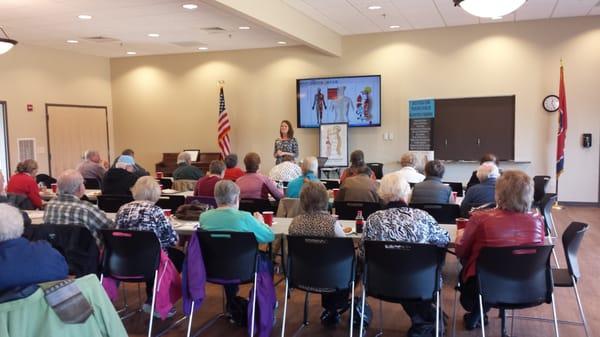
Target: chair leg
512, 322
253, 307
352, 311
380, 333
437, 314
503, 323
481, 314
285, 301
305, 321
153, 303
362, 312
584, 321
189, 329
554, 317
454, 311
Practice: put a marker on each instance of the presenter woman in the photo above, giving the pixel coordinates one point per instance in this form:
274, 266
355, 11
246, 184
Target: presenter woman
286, 144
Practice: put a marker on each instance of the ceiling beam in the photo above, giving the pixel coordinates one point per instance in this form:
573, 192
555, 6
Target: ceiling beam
278, 16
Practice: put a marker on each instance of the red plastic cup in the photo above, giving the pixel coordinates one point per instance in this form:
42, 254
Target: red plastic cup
159, 175
54, 187
268, 217
461, 223
167, 212
335, 193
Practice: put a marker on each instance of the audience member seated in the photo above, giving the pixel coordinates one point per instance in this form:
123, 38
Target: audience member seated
357, 166
205, 187
360, 186
483, 192
68, 208
227, 217
474, 180
143, 214
511, 223
398, 222
92, 167
232, 172
316, 221
138, 170
118, 180
286, 170
432, 190
185, 169
22, 262
310, 167
408, 171
12, 200
254, 185
23, 182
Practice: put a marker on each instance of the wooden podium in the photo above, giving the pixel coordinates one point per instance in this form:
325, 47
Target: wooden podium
169, 162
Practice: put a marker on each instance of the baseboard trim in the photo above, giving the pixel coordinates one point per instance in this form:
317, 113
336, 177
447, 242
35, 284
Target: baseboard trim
579, 203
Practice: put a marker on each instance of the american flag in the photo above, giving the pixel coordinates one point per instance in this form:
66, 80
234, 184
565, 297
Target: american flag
224, 127
562, 125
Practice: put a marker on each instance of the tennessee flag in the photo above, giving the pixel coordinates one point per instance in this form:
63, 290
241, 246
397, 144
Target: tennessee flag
562, 125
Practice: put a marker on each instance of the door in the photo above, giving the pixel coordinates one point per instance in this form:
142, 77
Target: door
73, 129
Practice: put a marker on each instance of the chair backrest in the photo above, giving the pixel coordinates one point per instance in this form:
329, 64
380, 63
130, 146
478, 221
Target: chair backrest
46, 179
455, 187
166, 183
76, 243
92, 184
442, 213
288, 208
571, 240
346, 210
21, 201
321, 163
546, 204
320, 264
396, 271
228, 255
183, 185
516, 276
331, 183
201, 199
539, 187
130, 255
377, 169
111, 202
256, 205
171, 202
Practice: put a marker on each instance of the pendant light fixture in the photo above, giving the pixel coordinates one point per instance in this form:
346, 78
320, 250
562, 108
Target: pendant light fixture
6, 43
491, 9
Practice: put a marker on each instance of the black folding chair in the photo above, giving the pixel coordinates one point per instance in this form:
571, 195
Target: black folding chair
228, 256
523, 279
111, 203
539, 188
321, 164
166, 183
455, 187
377, 168
76, 243
92, 184
331, 183
171, 202
201, 199
545, 205
401, 272
256, 205
319, 265
346, 210
131, 256
442, 213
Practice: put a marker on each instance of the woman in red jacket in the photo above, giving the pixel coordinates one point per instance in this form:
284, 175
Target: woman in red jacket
23, 182
510, 224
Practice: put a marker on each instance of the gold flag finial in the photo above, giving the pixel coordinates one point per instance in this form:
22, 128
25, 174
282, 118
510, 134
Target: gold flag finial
221, 83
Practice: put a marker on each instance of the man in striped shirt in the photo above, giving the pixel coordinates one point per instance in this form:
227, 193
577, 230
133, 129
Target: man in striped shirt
68, 209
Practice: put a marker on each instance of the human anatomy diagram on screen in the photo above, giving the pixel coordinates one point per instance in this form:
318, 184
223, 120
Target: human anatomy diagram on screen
343, 100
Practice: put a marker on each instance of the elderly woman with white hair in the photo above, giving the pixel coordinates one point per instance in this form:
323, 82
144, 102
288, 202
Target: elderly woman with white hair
143, 214
482, 193
310, 166
398, 222
22, 262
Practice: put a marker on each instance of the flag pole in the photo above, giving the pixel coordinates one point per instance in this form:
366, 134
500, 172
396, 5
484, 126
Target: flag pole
556, 206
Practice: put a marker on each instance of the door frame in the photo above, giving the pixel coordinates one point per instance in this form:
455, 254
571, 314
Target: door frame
48, 105
7, 145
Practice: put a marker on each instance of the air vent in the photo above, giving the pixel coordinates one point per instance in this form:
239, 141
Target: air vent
101, 39
188, 44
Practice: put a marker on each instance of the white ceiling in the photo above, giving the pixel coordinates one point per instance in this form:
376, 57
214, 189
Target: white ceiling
50, 23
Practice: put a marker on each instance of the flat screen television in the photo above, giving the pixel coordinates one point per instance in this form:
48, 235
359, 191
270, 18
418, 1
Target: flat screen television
352, 99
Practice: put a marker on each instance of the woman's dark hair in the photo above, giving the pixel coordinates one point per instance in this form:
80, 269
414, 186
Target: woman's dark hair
252, 162
27, 166
434, 168
290, 133
231, 160
489, 157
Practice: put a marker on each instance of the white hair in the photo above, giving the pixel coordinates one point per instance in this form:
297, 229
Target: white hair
310, 164
184, 157
11, 223
393, 187
487, 170
69, 182
146, 188
226, 193
90, 153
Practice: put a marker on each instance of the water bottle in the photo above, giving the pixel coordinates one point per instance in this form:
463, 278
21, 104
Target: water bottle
360, 221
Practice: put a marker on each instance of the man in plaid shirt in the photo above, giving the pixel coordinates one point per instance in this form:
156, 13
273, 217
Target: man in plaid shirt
68, 209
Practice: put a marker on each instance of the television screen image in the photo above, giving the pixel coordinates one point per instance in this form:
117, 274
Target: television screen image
355, 100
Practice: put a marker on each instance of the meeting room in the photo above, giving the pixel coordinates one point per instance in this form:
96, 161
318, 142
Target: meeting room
299, 167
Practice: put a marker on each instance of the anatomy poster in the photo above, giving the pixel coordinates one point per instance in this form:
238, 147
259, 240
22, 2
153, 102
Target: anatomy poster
333, 142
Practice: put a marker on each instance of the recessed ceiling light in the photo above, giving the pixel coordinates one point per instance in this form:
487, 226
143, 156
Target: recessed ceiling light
394, 27
131, 53
203, 48
72, 41
153, 35
189, 6
85, 17
281, 42
375, 7
243, 27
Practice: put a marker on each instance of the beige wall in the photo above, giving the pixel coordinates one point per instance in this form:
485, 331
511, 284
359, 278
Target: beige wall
167, 103
34, 75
